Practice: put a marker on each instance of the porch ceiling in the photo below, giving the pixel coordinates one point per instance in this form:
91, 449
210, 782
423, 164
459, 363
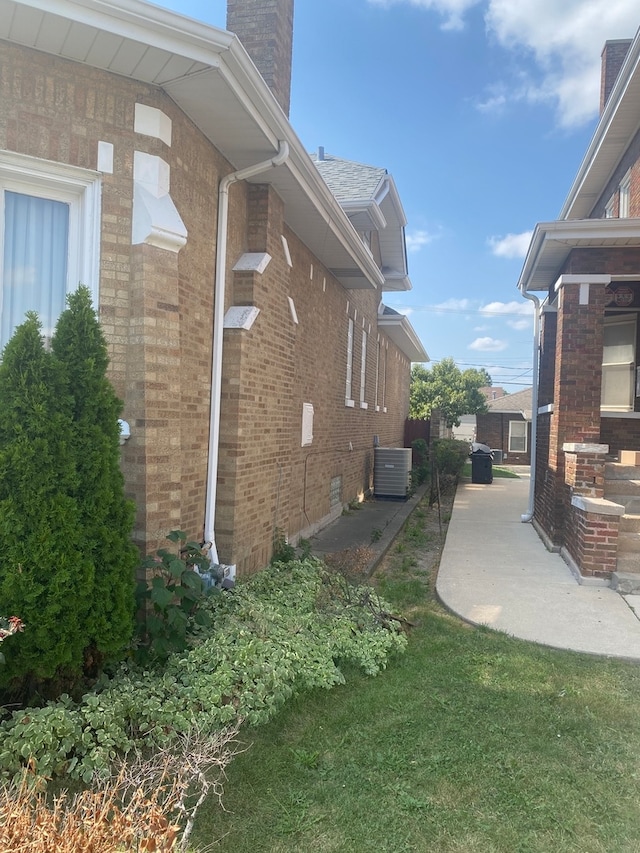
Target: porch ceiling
207, 72
553, 241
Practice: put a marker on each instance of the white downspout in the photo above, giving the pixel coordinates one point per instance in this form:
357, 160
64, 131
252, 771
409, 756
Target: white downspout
218, 332
528, 515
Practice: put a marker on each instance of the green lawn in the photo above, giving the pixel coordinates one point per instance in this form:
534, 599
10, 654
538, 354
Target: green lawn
471, 741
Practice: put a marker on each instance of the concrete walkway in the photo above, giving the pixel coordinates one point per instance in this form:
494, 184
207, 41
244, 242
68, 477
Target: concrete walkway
496, 571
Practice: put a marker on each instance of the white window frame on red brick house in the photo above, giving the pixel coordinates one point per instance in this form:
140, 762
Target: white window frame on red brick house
349, 401
385, 353
80, 189
377, 397
363, 372
618, 363
517, 435
610, 208
624, 196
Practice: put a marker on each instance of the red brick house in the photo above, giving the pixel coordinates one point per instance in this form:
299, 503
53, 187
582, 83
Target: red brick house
241, 301
506, 427
585, 266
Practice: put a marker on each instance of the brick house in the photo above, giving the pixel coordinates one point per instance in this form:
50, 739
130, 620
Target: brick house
241, 301
586, 265
506, 427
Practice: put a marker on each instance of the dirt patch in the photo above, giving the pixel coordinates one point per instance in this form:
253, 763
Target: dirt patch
407, 573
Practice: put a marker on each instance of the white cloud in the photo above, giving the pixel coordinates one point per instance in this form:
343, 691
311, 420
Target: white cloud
493, 103
454, 305
451, 10
564, 40
521, 310
488, 345
513, 307
417, 239
511, 246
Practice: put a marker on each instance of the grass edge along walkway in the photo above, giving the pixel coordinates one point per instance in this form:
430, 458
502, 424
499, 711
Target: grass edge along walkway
471, 741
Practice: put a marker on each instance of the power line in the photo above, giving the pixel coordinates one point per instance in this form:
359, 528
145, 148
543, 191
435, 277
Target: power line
434, 309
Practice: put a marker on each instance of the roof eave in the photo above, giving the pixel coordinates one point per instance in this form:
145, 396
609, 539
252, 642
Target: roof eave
552, 242
216, 57
616, 127
402, 333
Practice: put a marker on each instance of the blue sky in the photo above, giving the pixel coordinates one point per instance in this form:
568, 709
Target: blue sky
482, 111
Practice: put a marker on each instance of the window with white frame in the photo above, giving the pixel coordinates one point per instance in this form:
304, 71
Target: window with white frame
363, 372
385, 352
618, 363
625, 191
49, 238
348, 389
517, 436
377, 404
609, 208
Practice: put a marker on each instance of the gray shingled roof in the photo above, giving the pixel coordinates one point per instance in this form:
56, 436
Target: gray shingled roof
347, 180
519, 402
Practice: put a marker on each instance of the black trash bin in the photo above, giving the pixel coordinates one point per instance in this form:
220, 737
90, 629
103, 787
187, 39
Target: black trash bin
481, 463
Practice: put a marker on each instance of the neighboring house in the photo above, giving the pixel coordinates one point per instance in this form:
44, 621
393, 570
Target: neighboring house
466, 430
587, 267
506, 427
492, 392
240, 301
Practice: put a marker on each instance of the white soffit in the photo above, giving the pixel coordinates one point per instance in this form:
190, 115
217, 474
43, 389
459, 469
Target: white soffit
399, 329
552, 243
207, 72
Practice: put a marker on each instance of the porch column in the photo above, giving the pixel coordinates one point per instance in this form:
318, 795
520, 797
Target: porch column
591, 539
575, 414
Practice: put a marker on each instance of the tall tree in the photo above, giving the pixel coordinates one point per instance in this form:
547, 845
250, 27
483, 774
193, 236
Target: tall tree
80, 350
46, 578
445, 387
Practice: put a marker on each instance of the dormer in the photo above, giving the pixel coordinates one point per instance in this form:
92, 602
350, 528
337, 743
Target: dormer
369, 197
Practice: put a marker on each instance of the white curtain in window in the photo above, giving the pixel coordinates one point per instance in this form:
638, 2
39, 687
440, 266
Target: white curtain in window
618, 362
34, 277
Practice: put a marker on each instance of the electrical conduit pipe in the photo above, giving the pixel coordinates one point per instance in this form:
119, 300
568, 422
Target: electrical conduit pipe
218, 332
528, 515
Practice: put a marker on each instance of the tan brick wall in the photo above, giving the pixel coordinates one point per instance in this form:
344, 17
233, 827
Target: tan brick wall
276, 367
156, 308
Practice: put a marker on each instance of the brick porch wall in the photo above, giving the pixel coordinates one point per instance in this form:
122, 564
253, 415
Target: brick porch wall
592, 541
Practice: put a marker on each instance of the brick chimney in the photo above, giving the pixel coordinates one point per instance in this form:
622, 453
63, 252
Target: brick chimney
613, 56
265, 28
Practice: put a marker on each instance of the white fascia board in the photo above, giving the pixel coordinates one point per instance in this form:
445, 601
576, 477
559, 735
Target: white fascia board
368, 206
223, 52
402, 333
394, 199
396, 281
572, 233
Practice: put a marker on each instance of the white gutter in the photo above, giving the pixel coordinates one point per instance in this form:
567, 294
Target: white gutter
218, 333
528, 515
